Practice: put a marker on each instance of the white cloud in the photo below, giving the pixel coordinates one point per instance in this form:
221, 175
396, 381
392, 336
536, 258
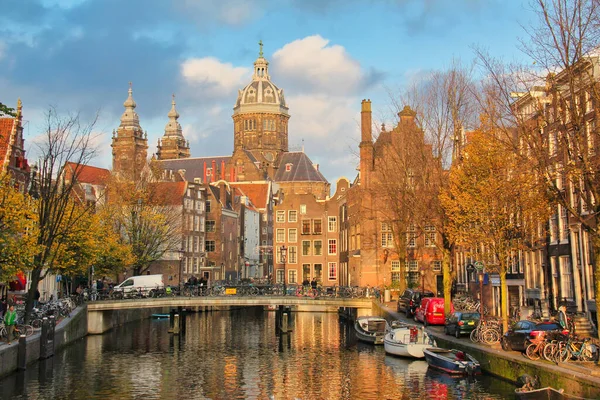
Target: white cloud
215, 77
312, 64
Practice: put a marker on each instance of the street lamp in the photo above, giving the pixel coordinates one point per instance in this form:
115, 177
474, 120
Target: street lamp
283, 260
181, 251
422, 271
480, 276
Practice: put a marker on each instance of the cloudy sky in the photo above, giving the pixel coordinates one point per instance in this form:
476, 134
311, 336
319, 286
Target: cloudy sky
327, 55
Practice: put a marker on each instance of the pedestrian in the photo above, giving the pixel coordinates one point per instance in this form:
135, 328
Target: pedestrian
3, 306
562, 316
10, 321
94, 290
36, 298
313, 283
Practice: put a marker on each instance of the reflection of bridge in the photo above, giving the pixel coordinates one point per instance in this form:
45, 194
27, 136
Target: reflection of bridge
103, 315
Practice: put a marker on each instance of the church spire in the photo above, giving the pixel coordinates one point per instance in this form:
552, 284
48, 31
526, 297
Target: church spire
130, 119
173, 127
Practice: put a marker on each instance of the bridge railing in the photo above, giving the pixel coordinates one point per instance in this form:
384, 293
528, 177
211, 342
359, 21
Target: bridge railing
230, 289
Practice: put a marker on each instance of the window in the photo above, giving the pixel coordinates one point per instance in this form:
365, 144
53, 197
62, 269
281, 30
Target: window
413, 266
209, 246
292, 255
396, 273
195, 244
280, 216
292, 276
288, 167
332, 224
280, 235
280, 275
305, 272
564, 219
318, 247
306, 247
195, 265
292, 235
318, 271
332, 271
332, 246
293, 216
436, 266
317, 229
386, 235
430, 236
306, 226
302, 208
210, 226
208, 206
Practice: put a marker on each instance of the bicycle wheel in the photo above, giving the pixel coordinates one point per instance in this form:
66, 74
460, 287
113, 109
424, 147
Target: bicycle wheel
490, 336
548, 352
474, 335
562, 355
586, 353
36, 323
532, 352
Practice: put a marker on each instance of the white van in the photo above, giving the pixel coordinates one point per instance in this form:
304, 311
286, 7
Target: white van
139, 284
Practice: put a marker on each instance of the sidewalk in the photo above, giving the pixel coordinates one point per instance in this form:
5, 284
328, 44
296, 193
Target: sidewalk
577, 378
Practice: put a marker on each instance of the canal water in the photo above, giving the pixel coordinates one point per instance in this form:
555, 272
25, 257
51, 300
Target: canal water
237, 355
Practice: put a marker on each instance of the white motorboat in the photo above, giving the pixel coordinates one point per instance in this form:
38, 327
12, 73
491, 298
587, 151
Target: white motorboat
407, 341
371, 329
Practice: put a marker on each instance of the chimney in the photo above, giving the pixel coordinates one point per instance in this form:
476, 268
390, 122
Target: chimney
213, 172
223, 169
204, 174
366, 134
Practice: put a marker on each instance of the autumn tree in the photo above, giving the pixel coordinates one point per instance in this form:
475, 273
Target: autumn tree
415, 168
148, 215
494, 205
65, 139
554, 101
6, 110
18, 229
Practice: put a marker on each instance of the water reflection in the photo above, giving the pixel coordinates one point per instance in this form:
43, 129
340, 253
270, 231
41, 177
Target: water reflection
237, 355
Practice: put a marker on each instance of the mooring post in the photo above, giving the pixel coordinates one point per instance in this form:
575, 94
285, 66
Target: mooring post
51, 334
44, 339
22, 353
176, 326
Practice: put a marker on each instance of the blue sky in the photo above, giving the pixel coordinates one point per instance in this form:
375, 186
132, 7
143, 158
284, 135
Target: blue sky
327, 55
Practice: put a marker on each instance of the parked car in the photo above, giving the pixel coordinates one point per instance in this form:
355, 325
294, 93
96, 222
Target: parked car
518, 335
460, 322
143, 283
410, 300
431, 311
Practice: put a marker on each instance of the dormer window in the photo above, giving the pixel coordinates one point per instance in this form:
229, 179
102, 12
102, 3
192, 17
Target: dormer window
288, 167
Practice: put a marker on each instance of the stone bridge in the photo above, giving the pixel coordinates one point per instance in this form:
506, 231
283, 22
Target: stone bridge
104, 315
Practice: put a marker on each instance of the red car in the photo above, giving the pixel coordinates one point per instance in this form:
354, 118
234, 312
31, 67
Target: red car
431, 311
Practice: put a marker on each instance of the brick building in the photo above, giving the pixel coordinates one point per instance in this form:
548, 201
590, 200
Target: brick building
12, 149
383, 251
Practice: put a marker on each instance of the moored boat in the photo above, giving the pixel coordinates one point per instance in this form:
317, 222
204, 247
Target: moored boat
454, 362
371, 329
546, 393
407, 341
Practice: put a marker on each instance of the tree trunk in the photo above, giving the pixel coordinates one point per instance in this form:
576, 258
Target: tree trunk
447, 275
596, 244
33, 284
504, 299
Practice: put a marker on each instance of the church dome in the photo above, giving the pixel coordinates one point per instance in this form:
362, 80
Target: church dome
261, 95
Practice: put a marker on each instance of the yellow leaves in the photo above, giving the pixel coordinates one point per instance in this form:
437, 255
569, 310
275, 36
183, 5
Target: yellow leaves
18, 229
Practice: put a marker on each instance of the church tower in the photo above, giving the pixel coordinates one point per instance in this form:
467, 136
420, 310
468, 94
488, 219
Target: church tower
173, 145
260, 120
129, 143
